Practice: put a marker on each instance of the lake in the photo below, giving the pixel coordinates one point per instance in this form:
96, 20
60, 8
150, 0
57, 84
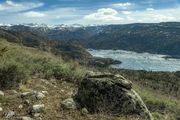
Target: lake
139, 61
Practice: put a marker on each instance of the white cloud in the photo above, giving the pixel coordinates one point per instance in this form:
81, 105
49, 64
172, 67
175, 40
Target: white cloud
122, 5
83, 16
150, 9
161, 15
11, 3
10, 6
148, 15
32, 14
130, 19
104, 15
126, 12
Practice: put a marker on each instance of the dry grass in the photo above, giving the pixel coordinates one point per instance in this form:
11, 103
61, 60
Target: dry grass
57, 92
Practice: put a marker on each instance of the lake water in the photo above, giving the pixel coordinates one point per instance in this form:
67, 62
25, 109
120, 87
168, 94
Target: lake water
139, 61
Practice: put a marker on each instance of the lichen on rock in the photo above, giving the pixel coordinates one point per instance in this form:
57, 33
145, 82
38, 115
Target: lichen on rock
111, 94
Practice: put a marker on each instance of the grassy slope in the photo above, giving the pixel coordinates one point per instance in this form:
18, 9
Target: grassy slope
39, 68
36, 62
38, 65
162, 107
157, 89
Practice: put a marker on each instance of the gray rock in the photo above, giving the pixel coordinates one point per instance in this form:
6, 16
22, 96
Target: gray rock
84, 111
32, 95
39, 95
14, 92
1, 109
38, 108
25, 118
27, 102
1, 93
44, 92
20, 106
110, 93
26, 95
9, 114
69, 104
37, 115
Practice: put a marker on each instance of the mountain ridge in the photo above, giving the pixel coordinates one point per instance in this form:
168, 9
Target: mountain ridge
160, 38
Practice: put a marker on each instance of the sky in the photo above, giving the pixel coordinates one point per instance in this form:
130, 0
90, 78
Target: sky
87, 12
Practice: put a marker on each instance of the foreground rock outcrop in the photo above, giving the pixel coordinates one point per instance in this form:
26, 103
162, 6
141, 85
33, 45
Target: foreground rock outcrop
112, 94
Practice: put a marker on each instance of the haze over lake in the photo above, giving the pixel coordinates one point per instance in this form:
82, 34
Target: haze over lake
139, 61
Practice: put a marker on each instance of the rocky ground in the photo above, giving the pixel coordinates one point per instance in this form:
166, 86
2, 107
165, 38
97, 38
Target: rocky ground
41, 99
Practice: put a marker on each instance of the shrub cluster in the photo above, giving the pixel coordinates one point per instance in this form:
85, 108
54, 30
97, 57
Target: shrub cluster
11, 76
20, 63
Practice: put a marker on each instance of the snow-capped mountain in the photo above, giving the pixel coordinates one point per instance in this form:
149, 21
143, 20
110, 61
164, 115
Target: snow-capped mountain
163, 38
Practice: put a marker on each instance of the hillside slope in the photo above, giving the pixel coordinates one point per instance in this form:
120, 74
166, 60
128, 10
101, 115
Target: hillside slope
162, 38
41, 71
71, 49
27, 71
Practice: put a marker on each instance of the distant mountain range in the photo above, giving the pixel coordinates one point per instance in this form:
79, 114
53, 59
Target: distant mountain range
36, 36
162, 38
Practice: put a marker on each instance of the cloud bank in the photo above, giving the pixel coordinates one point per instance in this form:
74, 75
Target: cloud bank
104, 13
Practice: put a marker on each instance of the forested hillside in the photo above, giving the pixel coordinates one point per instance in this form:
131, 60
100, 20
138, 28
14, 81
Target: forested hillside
163, 38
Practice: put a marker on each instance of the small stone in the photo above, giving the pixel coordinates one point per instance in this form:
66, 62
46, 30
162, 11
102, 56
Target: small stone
14, 92
69, 103
1, 93
33, 95
62, 90
27, 102
9, 114
38, 108
37, 115
40, 95
45, 92
25, 118
84, 111
25, 94
1, 109
20, 106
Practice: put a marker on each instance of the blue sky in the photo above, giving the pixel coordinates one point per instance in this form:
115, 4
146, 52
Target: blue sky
88, 11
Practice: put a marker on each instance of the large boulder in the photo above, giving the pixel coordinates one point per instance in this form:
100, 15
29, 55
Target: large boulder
111, 94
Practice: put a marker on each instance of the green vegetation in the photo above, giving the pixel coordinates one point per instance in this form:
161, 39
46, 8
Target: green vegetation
166, 83
159, 90
160, 38
19, 63
160, 105
11, 76
3, 50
